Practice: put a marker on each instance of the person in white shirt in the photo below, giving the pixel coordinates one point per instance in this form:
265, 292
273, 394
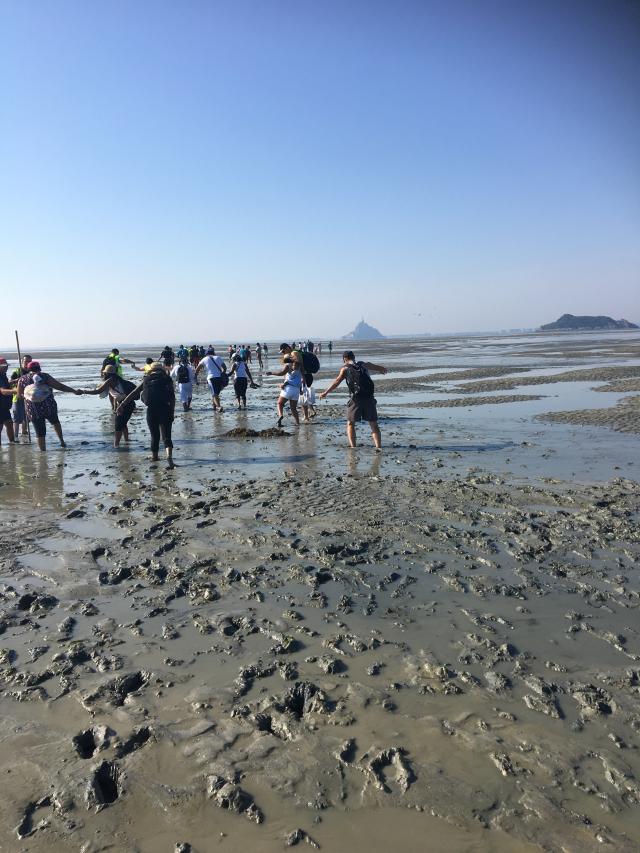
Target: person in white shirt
185, 376
217, 378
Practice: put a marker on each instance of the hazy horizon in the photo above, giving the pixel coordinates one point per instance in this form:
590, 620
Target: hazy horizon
338, 341
196, 170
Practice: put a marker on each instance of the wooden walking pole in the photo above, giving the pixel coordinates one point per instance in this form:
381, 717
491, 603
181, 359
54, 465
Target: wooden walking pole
20, 366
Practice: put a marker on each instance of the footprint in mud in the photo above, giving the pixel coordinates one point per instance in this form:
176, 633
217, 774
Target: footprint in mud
136, 741
90, 741
105, 786
26, 827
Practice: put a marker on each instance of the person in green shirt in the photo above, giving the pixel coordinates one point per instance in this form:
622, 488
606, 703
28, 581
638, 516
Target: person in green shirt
117, 360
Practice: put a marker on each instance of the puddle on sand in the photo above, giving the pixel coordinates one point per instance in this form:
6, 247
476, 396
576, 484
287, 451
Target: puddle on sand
91, 528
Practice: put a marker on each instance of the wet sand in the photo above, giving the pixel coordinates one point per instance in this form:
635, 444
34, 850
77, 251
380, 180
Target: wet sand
287, 643
624, 417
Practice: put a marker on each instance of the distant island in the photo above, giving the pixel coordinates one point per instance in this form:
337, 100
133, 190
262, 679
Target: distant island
569, 322
364, 332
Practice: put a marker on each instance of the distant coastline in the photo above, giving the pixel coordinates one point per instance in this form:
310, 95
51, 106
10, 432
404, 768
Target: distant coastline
9, 348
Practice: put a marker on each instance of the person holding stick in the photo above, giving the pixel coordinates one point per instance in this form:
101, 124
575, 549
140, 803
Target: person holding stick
19, 413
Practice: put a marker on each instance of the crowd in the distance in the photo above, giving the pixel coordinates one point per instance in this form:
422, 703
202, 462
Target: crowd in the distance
27, 398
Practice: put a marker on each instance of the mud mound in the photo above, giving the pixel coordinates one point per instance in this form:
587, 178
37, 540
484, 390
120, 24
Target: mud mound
473, 401
244, 432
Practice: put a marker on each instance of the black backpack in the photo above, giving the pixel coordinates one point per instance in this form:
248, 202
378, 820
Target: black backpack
359, 382
157, 390
183, 374
310, 362
109, 360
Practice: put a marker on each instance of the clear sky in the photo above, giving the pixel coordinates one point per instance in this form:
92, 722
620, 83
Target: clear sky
199, 170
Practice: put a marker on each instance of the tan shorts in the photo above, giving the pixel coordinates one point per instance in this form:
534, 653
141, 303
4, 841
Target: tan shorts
362, 409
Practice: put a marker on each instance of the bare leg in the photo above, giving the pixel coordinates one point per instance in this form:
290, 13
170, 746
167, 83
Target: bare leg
58, 430
294, 411
9, 428
280, 410
351, 433
42, 444
117, 437
125, 433
375, 434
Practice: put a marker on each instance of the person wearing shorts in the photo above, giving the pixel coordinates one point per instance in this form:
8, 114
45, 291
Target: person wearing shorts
290, 389
18, 411
216, 368
185, 389
241, 376
112, 386
5, 403
362, 403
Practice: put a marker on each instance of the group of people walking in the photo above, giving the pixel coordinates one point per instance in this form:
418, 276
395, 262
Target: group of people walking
26, 398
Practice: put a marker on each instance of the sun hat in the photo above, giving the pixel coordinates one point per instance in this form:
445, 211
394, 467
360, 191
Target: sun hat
3, 362
156, 365
109, 369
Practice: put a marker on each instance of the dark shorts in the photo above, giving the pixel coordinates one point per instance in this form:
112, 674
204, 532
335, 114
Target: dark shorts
215, 383
5, 409
362, 409
122, 419
40, 424
240, 386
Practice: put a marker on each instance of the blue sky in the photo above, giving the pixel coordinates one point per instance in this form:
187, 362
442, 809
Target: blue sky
202, 170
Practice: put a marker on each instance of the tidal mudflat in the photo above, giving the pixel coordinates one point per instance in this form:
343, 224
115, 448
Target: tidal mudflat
286, 643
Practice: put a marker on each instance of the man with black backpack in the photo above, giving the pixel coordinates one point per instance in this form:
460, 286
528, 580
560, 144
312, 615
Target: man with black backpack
309, 365
185, 376
362, 403
117, 360
157, 393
